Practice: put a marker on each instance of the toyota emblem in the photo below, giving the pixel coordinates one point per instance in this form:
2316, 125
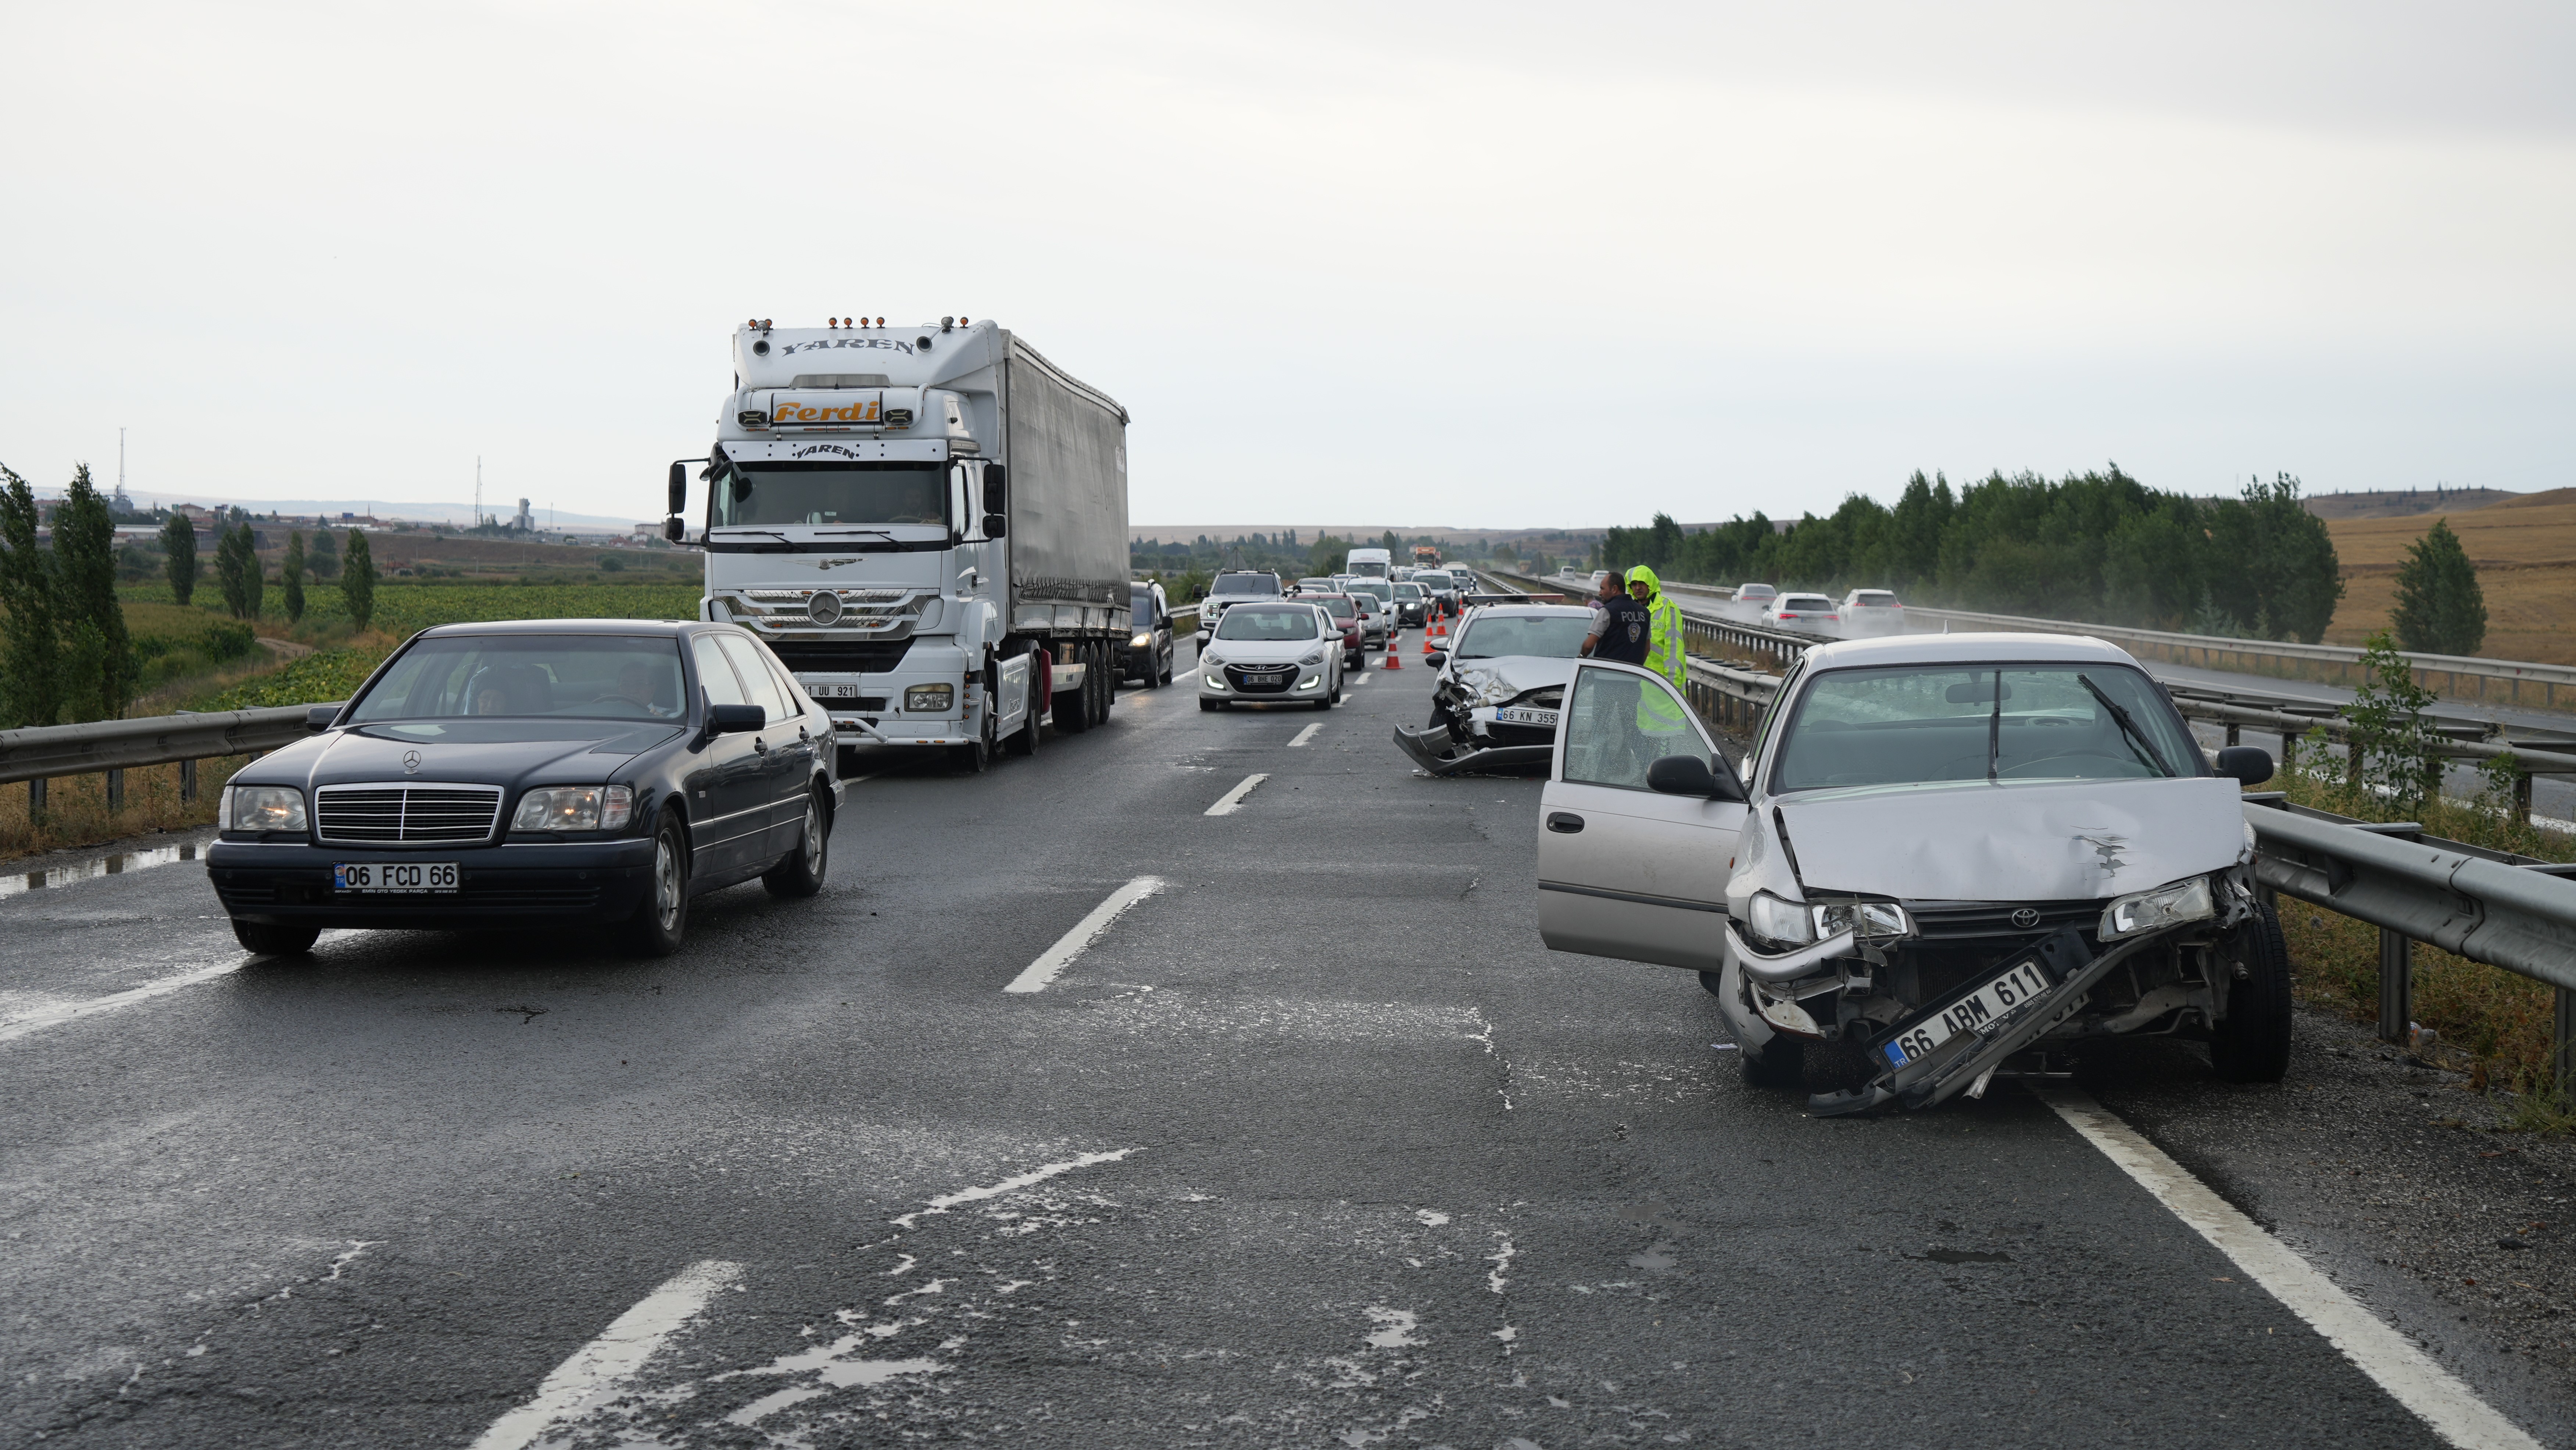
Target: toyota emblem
2025, 918
411, 766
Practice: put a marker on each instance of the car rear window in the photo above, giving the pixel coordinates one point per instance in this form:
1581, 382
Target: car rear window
1874, 599
1805, 601
1245, 584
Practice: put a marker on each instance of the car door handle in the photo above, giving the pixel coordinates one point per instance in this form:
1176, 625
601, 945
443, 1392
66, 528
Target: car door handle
759, 745
1564, 823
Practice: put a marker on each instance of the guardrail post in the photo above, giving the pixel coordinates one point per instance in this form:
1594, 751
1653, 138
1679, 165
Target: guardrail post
36, 798
187, 782
115, 791
2522, 800
2562, 1057
2397, 986
2232, 728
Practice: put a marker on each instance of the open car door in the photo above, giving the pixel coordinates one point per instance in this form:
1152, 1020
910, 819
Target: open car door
1626, 870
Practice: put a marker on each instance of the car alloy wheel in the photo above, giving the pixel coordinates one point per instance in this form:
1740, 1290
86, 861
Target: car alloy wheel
666, 882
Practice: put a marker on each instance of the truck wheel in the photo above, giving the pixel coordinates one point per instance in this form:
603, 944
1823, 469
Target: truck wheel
2252, 1043
1107, 697
1024, 741
801, 874
275, 939
662, 918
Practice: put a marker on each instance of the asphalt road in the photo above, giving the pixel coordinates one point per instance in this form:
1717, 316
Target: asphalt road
1315, 1145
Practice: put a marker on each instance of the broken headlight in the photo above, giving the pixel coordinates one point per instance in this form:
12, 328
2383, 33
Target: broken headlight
1778, 923
2155, 910
1868, 920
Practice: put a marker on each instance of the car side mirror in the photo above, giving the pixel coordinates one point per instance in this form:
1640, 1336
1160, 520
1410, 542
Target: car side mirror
2245, 764
1436, 658
997, 485
679, 489
319, 717
734, 719
1688, 775
995, 526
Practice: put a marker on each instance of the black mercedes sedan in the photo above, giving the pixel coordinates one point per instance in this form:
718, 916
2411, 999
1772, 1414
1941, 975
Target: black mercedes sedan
532, 774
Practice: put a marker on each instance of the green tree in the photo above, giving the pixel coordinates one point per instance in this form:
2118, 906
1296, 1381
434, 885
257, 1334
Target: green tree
2390, 729
358, 581
2273, 564
291, 577
30, 637
179, 557
101, 680
322, 560
1392, 543
229, 569
2440, 608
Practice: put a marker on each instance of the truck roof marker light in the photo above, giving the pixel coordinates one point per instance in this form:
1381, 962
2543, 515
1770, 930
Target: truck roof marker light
880, 322
947, 324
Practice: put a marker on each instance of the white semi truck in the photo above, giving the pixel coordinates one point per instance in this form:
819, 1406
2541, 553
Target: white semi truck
927, 524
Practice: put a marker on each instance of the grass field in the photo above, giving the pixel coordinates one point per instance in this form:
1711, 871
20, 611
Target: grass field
2525, 553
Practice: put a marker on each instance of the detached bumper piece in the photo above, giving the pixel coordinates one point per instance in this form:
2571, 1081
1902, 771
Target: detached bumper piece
1434, 750
1977, 1038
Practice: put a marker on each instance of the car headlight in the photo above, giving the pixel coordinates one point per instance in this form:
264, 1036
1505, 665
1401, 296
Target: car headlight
1141, 640
1210, 657
1215, 679
1313, 659
930, 699
575, 808
1778, 922
2155, 910
263, 808
1869, 920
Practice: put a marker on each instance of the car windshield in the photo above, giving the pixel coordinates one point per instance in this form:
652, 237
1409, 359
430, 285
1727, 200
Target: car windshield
1140, 605
1912, 725
776, 494
1408, 590
617, 677
1555, 637
1253, 621
1245, 584
1384, 591
1435, 579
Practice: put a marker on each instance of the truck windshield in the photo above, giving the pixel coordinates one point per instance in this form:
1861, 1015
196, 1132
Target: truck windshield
774, 495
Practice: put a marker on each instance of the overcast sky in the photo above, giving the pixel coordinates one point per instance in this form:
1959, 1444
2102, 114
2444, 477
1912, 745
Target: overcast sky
1489, 264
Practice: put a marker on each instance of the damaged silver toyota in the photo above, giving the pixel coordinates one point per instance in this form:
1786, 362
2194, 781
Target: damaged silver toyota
1944, 858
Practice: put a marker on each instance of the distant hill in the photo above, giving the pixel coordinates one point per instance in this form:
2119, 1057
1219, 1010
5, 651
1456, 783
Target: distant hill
2522, 545
2398, 503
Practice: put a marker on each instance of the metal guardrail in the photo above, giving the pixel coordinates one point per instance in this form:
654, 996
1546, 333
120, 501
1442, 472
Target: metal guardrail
112, 747
2507, 682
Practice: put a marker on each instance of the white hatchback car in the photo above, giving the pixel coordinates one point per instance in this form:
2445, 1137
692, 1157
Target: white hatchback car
1948, 856
1872, 611
1810, 613
1283, 652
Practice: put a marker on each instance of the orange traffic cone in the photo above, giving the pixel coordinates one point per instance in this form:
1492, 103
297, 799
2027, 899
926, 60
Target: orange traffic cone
1437, 631
1395, 654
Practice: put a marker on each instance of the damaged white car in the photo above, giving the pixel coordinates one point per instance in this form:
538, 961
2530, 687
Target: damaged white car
1945, 857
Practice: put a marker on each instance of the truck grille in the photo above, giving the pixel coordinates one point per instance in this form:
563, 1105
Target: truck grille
407, 815
865, 657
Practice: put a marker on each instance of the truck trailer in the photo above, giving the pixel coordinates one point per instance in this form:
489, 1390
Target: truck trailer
927, 524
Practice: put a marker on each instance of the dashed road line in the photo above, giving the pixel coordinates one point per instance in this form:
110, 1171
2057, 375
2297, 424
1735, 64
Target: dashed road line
1040, 1174
1055, 959
1358, 680
599, 1370
1305, 735
1232, 800
2451, 1408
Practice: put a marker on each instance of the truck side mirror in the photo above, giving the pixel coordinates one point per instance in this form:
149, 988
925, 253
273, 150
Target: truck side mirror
673, 529
996, 489
995, 526
679, 489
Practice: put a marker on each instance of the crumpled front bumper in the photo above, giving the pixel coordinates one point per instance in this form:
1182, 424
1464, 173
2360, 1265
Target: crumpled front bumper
1434, 750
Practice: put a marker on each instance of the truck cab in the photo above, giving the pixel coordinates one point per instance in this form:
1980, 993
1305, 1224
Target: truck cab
1370, 563
860, 517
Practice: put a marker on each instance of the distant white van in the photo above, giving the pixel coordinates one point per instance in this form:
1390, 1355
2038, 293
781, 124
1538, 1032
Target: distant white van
1370, 563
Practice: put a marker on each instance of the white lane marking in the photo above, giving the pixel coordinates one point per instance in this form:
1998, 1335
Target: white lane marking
1357, 681
2451, 1408
1054, 959
1040, 1174
1305, 735
55, 1014
1228, 803
598, 1370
